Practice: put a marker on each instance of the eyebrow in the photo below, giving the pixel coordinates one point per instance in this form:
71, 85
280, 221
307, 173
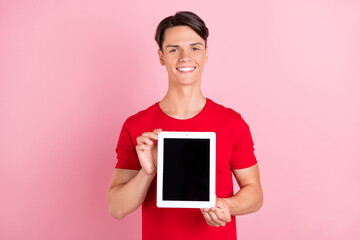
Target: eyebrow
192, 44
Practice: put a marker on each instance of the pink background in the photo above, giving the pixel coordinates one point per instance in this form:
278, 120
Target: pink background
72, 71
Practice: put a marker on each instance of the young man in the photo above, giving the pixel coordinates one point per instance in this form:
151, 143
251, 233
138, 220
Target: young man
182, 41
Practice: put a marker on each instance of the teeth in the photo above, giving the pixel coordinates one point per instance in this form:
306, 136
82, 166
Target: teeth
186, 69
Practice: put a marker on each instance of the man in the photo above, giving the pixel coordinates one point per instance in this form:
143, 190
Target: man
183, 50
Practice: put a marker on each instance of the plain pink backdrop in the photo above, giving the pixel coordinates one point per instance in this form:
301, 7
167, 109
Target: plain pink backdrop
72, 71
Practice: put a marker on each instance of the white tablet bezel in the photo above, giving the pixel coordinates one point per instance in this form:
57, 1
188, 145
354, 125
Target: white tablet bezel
160, 161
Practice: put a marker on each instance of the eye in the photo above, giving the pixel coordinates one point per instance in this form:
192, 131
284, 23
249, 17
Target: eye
173, 50
195, 49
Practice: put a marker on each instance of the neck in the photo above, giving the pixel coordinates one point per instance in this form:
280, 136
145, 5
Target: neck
183, 102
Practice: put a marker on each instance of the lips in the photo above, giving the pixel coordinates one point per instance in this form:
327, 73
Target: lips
185, 69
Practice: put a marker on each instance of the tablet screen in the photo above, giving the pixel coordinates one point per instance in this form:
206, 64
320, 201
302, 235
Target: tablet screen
186, 169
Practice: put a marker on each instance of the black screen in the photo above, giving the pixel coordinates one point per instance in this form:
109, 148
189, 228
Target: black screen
186, 169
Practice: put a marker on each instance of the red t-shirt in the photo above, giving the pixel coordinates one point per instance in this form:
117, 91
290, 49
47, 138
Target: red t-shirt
234, 150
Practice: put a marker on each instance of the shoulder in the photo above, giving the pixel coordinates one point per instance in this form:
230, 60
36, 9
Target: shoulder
142, 116
226, 113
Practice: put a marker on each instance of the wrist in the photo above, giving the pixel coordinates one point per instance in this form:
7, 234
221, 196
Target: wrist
146, 174
228, 202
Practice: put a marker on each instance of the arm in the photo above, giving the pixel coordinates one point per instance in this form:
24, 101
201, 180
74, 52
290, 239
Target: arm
250, 196
127, 191
128, 188
247, 200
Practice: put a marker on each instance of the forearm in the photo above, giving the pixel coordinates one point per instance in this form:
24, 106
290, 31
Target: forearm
127, 197
247, 200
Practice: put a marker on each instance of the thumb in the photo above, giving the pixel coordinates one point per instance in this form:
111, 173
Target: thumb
158, 130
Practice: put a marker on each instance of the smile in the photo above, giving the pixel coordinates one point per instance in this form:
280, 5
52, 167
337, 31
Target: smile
185, 69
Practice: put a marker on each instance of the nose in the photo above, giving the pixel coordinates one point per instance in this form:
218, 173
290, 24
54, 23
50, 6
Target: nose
185, 56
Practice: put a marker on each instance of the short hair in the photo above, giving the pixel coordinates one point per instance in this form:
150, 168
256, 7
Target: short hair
181, 18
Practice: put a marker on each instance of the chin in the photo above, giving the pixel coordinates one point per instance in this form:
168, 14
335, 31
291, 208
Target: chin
186, 81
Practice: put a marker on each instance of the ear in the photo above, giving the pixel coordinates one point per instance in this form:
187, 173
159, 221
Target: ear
161, 57
206, 54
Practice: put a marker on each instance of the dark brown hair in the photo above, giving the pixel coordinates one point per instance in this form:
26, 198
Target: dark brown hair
182, 18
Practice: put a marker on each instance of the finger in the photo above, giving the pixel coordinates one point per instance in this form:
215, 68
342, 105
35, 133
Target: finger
144, 140
219, 213
142, 147
208, 220
215, 219
222, 211
222, 215
151, 135
205, 209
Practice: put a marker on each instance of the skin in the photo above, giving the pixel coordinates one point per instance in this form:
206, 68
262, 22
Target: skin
182, 47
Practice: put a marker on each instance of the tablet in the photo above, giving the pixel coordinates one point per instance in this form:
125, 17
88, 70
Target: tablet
186, 170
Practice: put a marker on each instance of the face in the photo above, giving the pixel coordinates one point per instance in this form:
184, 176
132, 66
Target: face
184, 55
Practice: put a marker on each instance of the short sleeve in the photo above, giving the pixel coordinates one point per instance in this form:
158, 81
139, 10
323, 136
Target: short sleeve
125, 150
243, 148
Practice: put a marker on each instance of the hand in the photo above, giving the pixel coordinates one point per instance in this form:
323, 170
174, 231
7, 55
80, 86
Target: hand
219, 215
147, 151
